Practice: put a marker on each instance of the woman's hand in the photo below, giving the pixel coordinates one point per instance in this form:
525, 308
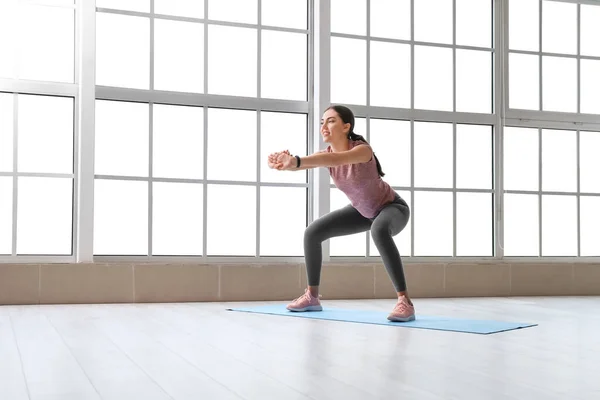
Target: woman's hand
273, 159
286, 162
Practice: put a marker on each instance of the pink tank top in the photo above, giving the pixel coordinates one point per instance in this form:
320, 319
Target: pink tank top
361, 183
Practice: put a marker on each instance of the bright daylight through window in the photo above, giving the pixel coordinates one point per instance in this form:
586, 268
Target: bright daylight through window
142, 128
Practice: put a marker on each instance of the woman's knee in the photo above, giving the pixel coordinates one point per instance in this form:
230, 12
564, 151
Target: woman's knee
314, 232
380, 231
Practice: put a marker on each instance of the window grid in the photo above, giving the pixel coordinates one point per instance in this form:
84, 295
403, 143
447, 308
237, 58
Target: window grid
540, 114
540, 193
539, 120
206, 101
414, 115
15, 174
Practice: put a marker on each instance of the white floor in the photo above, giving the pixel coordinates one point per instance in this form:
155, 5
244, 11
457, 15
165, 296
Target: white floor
201, 351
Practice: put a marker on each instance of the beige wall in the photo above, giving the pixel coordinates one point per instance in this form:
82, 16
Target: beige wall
127, 283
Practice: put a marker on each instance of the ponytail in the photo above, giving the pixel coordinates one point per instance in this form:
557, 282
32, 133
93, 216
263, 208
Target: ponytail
355, 137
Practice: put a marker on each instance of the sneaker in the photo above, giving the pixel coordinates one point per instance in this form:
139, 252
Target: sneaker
306, 302
403, 312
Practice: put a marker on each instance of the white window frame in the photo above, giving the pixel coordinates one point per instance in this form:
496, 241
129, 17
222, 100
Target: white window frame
85, 92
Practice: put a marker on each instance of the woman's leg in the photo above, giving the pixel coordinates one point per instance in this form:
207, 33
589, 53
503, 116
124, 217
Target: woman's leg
391, 221
342, 222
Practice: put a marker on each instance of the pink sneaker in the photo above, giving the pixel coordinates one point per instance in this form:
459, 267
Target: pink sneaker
306, 302
403, 312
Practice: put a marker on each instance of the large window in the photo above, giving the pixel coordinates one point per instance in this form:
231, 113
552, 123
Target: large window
554, 57
139, 130
552, 141
396, 56
37, 128
182, 171
551, 192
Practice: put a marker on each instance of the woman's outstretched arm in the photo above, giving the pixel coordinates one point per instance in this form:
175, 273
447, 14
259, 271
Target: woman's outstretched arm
358, 154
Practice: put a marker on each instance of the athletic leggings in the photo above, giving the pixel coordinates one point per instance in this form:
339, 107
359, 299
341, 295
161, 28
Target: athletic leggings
390, 221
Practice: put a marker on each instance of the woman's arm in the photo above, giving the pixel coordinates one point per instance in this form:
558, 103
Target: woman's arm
358, 154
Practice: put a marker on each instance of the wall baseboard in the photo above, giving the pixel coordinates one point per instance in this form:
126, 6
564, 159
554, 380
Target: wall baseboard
164, 283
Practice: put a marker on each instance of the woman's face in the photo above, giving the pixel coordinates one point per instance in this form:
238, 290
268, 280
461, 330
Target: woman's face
332, 127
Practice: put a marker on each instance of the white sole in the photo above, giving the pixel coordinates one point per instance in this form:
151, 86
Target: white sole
309, 308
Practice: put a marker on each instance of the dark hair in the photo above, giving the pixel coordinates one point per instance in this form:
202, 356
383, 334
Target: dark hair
347, 117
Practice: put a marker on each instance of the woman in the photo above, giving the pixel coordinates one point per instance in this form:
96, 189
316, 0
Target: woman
375, 206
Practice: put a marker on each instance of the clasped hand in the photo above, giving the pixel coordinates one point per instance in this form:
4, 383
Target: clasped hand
282, 161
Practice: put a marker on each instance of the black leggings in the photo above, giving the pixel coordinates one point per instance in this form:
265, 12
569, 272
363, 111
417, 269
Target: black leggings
390, 221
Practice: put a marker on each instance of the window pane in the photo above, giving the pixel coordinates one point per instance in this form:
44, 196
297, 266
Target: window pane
120, 217
349, 16
45, 134
559, 226
244, 11
524, 81
49, 56
590, 226
590, 86
279, 132
122, 51
360, 126
225, 239
122, 134
177, 211
474, 23
433, 78
278, 204
286, 14
433, 155
390, 141
559, 25
6, 132
348, 79
226, 47
129, 5
182, 8
231, 133
284, 65
589, 162
474, 224
474, 81
350, 245
9, 24
521, 225
524, 25
6, 214
433, 21
390, 74
402, 239
178, 142
590, 30
560, 84
178, 56
390, 19
521, 159
474, 157
559, 161
433, 214
44, 227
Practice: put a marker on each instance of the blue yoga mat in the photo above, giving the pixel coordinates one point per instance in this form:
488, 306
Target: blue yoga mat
483, 327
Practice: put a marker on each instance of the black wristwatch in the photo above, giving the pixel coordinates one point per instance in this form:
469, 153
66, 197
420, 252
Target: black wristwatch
297, 161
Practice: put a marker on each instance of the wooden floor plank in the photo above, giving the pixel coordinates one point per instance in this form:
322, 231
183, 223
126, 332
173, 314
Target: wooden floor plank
200, 350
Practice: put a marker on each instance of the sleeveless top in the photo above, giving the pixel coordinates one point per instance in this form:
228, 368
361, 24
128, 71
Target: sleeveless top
361, 183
